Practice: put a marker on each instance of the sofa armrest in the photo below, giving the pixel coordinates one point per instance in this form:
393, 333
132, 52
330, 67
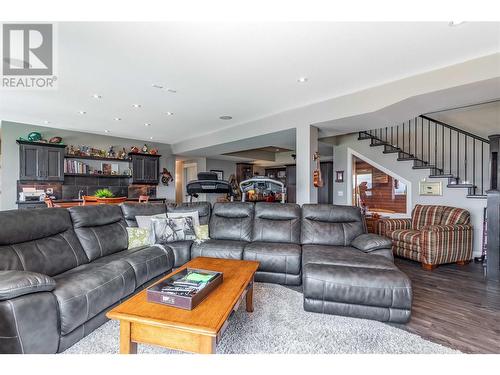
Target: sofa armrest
385, 226
447, 228
18, 283
369, 242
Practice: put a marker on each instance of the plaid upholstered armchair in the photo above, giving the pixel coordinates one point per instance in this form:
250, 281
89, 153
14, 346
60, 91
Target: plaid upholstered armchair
433, 235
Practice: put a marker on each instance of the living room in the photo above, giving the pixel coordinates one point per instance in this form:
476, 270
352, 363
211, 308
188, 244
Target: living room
290, 185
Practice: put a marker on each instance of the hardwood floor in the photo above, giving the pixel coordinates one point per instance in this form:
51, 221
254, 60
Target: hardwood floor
454, 306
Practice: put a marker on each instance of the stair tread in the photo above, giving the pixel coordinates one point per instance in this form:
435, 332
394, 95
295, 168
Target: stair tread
461, 186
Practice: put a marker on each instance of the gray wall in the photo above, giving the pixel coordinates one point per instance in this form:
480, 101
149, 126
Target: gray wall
11, 131
403, 169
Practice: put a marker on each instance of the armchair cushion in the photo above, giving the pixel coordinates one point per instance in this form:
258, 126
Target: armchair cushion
408, 236
423, 215
18, 283
369, 242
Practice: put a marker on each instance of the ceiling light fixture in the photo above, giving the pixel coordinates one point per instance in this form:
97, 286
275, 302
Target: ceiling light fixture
106, 131
117, 119
169, 113
303, 80
147, 124
157, 86
150, 137
46, 122
82, 112
170, 90
136, 105
455, 23
225, 117
97, 96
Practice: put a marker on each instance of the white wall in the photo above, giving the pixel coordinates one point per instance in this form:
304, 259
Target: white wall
451, 197
11, 131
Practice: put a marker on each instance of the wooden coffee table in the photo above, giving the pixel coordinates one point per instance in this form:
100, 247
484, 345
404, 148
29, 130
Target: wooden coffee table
196, 331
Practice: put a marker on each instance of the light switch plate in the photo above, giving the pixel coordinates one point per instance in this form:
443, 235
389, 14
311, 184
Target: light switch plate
340, 193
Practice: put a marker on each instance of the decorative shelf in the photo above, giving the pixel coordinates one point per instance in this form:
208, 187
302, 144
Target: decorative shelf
143, 154
96, 158
97, 175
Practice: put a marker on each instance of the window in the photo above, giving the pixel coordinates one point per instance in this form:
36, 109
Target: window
376, 191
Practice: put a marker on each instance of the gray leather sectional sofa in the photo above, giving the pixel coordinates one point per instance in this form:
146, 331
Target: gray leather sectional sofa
61, 270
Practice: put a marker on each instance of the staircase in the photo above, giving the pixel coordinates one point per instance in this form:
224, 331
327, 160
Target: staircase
446, 151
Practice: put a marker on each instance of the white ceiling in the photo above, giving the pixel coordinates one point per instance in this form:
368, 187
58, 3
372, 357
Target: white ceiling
246, 70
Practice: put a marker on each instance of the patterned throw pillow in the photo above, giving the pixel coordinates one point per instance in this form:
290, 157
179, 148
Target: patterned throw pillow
202, 233
170, 230
138, 237
191, 214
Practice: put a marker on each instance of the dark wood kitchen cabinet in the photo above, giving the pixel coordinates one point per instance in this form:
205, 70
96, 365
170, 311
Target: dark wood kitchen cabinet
145, 168
41, 161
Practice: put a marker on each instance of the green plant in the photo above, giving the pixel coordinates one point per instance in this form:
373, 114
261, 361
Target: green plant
104, 193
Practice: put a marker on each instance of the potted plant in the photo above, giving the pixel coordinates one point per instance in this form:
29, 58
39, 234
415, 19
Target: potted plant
107, 197
104, 193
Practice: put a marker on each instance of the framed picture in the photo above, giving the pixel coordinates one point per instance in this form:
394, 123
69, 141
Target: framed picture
106, 168
339, 176
220, 174
430, 188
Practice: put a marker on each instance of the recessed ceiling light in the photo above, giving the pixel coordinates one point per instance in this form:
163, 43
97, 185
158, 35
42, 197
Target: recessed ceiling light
82, 112
117, 119
169, 113
46, 122
106, 131
97, 96
303, 79
150, 137
136, 105
225, 117
147, 124
157, 86
455, 23
171, 90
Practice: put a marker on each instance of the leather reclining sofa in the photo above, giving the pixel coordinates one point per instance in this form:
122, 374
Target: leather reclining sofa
61, 269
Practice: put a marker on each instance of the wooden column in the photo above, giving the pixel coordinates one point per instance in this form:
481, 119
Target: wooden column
493, 263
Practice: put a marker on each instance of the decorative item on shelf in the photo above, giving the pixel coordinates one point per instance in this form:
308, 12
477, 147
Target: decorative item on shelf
339, 176
153, 151
317, 179
145, 148
122, 154
55, 140
106, 168
104, 193
34, 137
134, 149
166, 177
111, 152
70, 150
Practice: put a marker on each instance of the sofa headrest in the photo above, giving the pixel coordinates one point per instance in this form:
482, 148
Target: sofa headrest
234, 210
94, 216
131, 210
18, 226
203, 208
277, 211
331, 213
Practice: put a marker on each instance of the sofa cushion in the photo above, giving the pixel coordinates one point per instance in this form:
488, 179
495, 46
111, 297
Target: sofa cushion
344, 256
423, 215
131, 210
226, 249
147, 262
276, 222
85, 291
454, 216
232, 221
40, 241
100, 229
204, 209
326, 224
408, 236
181, 251
275, 257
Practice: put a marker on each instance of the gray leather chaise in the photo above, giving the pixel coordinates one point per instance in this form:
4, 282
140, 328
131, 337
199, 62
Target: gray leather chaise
348, 272
61, 270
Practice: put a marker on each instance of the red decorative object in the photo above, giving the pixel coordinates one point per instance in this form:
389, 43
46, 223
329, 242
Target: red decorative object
134, 149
